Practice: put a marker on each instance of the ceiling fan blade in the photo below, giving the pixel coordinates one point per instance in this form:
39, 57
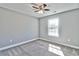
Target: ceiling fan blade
34, 3
47, 9
35, 7
44, 5
37, 11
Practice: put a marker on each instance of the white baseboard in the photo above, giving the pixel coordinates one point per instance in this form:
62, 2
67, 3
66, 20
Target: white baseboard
60, 43
14, 45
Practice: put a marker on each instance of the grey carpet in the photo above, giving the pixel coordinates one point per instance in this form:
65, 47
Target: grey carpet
38, 48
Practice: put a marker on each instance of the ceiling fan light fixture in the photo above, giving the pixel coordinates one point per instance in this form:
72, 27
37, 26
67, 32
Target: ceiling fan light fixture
40, 12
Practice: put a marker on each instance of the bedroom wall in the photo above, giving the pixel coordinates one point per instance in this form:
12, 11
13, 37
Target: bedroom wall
68, 28
16, 27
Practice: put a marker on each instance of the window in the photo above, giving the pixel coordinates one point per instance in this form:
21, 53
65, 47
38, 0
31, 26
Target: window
53, 27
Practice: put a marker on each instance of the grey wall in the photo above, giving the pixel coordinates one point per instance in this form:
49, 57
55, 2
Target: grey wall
16, 27
68, 28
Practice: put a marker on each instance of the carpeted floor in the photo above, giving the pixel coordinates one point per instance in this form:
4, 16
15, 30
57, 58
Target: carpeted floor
40, 48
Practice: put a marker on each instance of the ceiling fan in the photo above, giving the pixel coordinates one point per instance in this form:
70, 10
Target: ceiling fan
40, 7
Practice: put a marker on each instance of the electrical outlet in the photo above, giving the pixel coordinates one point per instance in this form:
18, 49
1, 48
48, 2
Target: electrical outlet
69, 40
11, 41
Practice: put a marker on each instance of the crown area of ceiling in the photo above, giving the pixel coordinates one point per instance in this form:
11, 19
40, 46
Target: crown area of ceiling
26, 8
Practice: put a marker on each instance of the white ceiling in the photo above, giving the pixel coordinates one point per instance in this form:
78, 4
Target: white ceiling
26, 8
